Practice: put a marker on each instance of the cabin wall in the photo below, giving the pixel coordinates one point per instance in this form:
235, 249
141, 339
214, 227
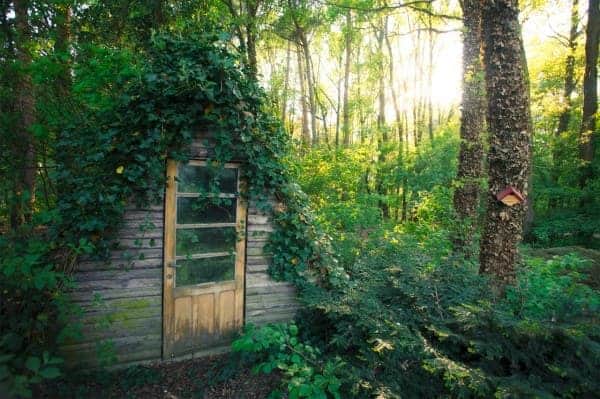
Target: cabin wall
267, 301
121, 300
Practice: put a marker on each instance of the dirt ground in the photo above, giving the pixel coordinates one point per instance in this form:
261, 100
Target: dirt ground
212, 377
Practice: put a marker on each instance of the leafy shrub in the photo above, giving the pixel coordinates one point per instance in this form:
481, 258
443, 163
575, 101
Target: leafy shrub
278, 347
34, 308
413, 321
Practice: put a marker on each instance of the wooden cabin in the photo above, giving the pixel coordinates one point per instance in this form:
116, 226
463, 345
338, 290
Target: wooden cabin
183, 279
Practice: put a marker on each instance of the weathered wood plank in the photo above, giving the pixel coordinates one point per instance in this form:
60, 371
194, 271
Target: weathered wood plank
258, 260
136, 232
133, 306
136, 254
275, 287
257, 268
130, 283
119, 265
256, 243
120, 329
89, 295
127, 349
271, 317
256, 251
139, 243
116, 274
262, 280
260, 228
258, 218
271, 298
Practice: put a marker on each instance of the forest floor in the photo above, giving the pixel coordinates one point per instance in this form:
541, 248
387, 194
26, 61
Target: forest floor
211, 377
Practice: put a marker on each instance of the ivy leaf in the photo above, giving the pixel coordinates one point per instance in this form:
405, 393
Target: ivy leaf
33, 363
50, 372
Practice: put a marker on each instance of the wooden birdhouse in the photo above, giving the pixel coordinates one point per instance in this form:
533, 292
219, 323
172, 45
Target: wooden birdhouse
510, 196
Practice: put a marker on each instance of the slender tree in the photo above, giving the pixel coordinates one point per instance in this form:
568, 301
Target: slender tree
569, 86
589, 130
508, 116
346, 106
472, 124
25, 107
306, 136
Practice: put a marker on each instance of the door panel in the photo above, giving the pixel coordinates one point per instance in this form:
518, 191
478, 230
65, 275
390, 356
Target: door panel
204, 257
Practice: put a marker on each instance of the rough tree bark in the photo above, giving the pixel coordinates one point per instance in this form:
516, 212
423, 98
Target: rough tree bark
588, 132
508, 116
25, 106
472, 125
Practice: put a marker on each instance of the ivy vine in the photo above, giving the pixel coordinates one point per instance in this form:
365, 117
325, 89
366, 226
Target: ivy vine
188, 85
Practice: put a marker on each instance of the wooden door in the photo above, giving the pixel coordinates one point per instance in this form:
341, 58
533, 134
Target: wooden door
204, 256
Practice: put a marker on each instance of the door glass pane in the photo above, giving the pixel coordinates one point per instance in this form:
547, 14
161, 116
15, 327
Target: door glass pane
198, 271
198, 179
201, 210
194, 241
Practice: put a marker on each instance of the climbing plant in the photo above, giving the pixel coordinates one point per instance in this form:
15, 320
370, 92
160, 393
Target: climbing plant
189, 85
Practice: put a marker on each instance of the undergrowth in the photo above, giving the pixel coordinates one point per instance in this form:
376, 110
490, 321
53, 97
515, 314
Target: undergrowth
412, 325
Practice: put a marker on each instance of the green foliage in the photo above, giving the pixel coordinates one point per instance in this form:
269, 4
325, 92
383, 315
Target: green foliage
412, 320
278, 347
35, 311
417, 323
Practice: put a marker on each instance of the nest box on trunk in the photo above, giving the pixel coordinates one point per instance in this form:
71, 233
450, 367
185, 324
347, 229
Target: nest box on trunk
510, 196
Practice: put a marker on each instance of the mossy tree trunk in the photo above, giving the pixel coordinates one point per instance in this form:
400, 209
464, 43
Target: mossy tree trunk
470, 161
508, 116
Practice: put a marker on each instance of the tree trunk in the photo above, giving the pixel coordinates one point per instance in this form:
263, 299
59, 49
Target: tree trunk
62, 48
346, 106
306, 137
252, 10
472, 124
337, 114
392, 84
429, 76
589, 131
569, 88
509, 138
311, 87
25, 106
381, 127
286, 83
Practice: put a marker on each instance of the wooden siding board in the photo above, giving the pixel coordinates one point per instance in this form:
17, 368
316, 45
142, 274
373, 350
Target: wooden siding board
267, 300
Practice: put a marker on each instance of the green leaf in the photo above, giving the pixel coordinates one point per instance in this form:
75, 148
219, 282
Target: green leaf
33, 363
50, 372
305, 390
